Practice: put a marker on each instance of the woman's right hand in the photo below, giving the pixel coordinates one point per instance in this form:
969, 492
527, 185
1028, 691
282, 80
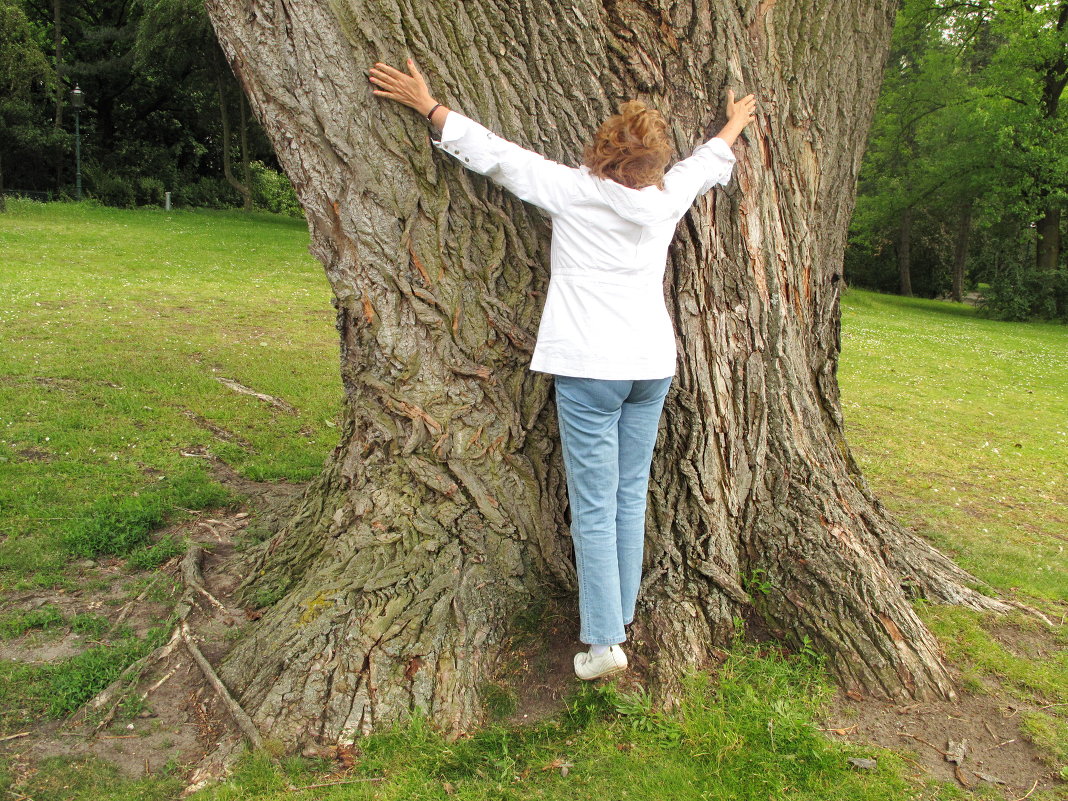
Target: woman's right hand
741, 113
409, 88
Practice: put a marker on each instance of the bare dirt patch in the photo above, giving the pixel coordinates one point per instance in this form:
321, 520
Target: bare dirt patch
540, 672
996, 751
181, 720
35, 454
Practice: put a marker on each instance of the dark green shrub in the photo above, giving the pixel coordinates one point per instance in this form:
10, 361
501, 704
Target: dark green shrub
150, 192
114, 190
208, 193
1019, 294
273, 191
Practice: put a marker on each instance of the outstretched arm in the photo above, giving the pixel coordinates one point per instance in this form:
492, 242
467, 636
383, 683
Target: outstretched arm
711, 162
528, 175
739, 115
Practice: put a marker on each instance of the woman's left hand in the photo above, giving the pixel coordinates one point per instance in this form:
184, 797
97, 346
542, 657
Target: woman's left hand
408, 89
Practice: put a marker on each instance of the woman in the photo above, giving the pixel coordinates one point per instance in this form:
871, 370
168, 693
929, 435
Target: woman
605, 334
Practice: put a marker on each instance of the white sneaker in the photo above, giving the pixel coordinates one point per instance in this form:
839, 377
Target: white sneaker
588, 666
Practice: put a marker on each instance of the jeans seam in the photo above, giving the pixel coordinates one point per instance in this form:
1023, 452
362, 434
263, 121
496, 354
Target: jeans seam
584, 591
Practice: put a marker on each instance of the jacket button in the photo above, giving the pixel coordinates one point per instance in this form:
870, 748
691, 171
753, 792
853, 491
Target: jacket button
467, 159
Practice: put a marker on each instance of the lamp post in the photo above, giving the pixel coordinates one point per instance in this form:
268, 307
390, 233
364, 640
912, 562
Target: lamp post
77, 101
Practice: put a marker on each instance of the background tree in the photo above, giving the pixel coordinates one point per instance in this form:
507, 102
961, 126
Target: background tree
26, 80
441, 514
197, 65
966, 156
154, 121
1030, 68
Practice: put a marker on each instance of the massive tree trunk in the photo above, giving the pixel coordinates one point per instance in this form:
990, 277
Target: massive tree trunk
441, 513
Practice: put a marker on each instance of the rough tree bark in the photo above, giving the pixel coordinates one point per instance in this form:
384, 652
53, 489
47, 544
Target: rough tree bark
441, 514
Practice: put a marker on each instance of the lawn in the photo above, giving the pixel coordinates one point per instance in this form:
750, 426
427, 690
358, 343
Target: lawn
118, 326
961, 426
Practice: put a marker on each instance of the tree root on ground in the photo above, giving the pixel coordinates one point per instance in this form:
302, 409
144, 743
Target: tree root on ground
112, 695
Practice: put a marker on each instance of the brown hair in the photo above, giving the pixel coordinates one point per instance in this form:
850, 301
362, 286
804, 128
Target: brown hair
630, 147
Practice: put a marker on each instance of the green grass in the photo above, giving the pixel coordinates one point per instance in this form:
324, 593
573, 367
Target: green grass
117, 324
30, 690
16, 623
48, 617
961, 427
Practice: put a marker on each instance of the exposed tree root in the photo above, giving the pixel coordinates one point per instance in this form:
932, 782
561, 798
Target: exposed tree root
239, 715
239, 387
1030, 610
111, 696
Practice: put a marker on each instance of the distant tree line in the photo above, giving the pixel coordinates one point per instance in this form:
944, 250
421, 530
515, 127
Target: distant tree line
965, 176
163, 112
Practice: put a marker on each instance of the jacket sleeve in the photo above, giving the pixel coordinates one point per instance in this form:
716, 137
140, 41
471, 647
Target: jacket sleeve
528, 175
711, 163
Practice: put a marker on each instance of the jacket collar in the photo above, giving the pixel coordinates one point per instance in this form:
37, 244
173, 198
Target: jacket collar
645, 206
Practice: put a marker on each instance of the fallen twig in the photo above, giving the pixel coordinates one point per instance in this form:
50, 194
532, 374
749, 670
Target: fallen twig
925, 742
1030, 610
840, 729
158, 684
1022, 797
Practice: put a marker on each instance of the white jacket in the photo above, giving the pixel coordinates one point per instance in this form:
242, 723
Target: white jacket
604, 314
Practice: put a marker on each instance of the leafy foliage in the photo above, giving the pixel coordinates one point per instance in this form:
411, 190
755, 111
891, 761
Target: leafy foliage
153, 117
967, 160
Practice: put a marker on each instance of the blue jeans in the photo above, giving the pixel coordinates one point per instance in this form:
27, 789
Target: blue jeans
608, 431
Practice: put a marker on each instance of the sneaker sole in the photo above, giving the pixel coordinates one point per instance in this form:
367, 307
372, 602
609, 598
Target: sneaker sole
611, 672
